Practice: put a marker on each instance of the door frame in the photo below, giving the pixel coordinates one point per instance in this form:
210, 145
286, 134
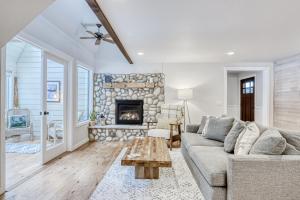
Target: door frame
267, 90
2, 119
49, 154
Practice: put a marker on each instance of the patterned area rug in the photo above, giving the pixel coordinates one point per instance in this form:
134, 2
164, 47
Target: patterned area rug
22, 148
174, 183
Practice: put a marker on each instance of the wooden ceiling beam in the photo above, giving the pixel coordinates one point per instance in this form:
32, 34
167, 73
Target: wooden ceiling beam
104, 21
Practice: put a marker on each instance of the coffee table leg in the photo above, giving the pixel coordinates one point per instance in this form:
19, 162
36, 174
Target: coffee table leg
142, 172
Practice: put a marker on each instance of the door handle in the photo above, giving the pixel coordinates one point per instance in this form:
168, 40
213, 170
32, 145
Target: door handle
44, 113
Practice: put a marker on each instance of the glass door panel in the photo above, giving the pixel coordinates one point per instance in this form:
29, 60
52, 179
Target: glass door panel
54, 107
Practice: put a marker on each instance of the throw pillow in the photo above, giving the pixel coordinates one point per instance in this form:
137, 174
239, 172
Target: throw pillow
164, 123
246, 139
17, 121
269, 143
203, 122
292, 137
232, 136
290, 150
218, 128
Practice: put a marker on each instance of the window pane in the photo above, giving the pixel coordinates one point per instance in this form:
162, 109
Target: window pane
247, 84
83, 94
247, 90
244, 91
251, 84
251, 90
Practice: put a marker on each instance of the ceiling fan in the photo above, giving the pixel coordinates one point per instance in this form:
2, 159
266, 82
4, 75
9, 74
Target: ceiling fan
98, 36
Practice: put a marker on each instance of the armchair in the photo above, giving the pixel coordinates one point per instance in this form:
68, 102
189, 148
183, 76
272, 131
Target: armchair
168, 123
18, 122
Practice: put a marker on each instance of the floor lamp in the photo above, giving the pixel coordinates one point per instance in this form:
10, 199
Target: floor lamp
185, 95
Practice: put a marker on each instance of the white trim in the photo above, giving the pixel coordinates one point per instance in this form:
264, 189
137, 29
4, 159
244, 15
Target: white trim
83, 123
2, 119
79, 144
267, 90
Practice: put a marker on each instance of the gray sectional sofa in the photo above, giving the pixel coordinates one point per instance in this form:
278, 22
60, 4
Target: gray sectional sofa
222, 175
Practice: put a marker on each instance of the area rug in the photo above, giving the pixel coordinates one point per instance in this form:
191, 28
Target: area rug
22, 148
174, 183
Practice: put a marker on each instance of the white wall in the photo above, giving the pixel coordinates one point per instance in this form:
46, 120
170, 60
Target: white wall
207, 80
233, 99
15, 15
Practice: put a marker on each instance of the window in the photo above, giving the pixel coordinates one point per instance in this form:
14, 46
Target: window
9, 90
248, 87
83, 94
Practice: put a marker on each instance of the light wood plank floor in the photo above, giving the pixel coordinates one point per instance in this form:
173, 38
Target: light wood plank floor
72, 176
19, 165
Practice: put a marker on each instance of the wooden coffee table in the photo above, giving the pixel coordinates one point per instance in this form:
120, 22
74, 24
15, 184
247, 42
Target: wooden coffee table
147, 155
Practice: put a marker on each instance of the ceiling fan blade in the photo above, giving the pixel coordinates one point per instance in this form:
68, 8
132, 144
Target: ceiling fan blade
87, 37
98, 41
109, 40
90, 32
107, 36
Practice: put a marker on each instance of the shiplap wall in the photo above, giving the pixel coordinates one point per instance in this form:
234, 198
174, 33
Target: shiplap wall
29, 84
287, 94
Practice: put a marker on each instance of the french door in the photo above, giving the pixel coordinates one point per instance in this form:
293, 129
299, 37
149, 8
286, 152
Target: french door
53, 113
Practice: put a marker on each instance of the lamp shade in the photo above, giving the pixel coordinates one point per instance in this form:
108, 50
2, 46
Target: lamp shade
185, 94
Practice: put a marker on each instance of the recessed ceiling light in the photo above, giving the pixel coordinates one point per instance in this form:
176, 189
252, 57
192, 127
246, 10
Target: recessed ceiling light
140, 53
230, 53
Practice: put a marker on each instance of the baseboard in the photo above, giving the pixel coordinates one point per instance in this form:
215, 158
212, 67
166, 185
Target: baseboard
79, 144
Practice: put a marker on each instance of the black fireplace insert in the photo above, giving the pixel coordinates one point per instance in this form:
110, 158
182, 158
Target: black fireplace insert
129, 111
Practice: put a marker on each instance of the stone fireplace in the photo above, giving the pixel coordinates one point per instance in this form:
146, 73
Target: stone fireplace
129, 112
110, 93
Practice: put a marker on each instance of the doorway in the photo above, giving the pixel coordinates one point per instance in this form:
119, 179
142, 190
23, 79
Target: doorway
35, 109
247, 99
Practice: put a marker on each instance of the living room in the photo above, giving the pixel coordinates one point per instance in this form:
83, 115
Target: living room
92, 96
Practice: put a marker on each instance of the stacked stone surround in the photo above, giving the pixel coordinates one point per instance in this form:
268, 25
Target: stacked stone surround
104, 101
115, 134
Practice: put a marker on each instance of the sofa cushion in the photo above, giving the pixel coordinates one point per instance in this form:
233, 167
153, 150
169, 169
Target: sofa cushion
211, 162
233, 135
192, 139
292, 137
218, 128
246, 139
269, 143
290, 150
192, 128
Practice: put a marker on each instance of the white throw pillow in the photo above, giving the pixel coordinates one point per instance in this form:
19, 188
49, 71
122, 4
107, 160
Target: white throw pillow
206, 125
246, 139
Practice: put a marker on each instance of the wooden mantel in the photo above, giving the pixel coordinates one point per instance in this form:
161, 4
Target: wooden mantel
128, 85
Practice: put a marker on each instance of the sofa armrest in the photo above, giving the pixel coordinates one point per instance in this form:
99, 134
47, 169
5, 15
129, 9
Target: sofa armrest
263, 177
192, 128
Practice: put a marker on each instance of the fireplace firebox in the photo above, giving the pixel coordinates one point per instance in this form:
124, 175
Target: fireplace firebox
129, 112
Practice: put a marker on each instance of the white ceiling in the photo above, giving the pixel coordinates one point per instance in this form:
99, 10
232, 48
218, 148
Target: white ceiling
191, 30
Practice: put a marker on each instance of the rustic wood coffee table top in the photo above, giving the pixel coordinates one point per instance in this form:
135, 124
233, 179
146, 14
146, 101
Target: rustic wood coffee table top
150, 152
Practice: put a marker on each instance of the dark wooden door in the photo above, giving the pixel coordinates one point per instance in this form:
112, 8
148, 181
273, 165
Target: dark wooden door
247, 99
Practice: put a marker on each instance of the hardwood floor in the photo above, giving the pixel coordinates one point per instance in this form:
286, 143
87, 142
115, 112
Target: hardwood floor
72, 176
19, 165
